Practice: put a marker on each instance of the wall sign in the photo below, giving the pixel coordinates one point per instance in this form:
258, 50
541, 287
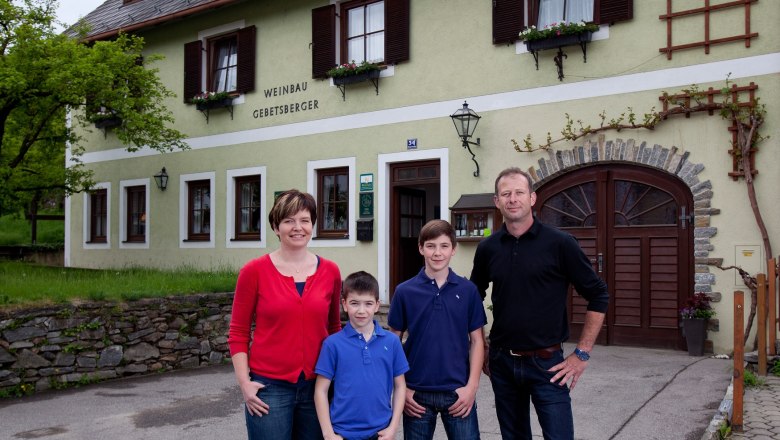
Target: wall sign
367, 182
366, 204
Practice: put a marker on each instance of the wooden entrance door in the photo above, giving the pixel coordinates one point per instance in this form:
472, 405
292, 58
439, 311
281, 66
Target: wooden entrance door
414, 195
634, 225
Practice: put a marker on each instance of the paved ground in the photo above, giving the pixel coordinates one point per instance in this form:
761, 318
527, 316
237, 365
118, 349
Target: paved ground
761, 415
627, 393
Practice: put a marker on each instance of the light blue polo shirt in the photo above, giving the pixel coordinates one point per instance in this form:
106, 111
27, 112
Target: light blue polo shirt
362, 375
438, 322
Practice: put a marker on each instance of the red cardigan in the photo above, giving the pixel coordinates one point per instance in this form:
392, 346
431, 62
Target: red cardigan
289, 328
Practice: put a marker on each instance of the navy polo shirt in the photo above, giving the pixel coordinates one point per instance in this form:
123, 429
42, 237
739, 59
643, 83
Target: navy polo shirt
531, 275
438, 322
362, 375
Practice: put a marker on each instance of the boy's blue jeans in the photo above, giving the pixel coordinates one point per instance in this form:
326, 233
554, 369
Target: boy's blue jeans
516, 380
438, 403
291, 413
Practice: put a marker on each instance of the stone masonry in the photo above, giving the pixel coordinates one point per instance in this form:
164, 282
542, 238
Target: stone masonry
56, 346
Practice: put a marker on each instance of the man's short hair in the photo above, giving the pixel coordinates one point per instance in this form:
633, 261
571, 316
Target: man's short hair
362, 282
290, 203
510, 171
435, 229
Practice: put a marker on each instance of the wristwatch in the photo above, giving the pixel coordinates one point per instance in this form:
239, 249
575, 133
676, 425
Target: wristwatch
581, 355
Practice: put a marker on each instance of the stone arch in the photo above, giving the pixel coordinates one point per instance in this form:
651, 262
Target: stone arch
668, 160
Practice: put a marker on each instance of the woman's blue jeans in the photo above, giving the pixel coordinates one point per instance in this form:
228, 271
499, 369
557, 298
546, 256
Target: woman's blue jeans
464, 428
518, 379
291, 413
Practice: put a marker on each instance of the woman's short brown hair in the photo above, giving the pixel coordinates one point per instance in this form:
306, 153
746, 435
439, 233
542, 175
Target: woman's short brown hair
290, 203
435, 229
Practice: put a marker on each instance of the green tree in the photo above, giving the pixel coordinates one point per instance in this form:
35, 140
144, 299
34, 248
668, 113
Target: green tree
54, 85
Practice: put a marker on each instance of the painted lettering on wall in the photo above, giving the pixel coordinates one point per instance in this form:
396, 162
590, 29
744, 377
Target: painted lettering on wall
286, 89
297, 105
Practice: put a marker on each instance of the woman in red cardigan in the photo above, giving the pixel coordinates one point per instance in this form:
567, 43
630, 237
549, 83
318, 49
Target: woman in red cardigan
292, 297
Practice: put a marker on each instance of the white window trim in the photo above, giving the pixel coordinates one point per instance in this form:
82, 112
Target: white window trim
123, 184
184, 193
311, 187
382, 208
230, 208
390, 68
203, 36
88, 218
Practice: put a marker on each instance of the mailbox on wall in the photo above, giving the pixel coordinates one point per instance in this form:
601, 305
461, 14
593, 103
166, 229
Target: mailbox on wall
365, 229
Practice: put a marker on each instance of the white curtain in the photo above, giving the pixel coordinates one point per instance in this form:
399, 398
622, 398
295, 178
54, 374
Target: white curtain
579, 10
550, 11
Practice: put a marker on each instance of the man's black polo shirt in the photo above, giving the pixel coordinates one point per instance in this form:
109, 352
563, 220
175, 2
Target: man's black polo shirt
531, 275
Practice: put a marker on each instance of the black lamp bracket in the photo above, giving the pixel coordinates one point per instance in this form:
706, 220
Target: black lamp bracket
467, 145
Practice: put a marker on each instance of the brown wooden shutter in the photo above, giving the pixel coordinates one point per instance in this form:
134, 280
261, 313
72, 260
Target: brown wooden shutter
323, 40
610, 11
507, 20
247, 38
396, 31
192, 70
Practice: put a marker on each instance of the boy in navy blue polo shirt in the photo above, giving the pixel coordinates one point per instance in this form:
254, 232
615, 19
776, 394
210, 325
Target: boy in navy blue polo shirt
444, 316
366, 365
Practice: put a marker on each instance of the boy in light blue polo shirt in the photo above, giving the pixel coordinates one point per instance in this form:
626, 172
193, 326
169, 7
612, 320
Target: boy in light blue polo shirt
366, 365
443, 315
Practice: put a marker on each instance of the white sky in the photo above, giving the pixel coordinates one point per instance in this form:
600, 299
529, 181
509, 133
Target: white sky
70, 11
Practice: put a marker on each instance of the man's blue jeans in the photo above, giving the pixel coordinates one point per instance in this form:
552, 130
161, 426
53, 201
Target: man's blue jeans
438, 403
515, 380
291, 412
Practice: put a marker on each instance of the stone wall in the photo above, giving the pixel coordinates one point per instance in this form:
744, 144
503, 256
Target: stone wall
55, 347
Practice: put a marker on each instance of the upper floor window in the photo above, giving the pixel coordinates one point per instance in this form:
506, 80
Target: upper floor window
571, 11
225, 63
223, 69
98, 216
510, 17
363, 30
136, 214
370, 30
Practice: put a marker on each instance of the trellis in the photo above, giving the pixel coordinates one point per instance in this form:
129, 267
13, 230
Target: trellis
706, 10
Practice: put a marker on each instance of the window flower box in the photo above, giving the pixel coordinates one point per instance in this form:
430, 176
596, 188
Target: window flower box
108, 122
207, 101
356, 78
214, 103
352, 73
558, 41
558, 36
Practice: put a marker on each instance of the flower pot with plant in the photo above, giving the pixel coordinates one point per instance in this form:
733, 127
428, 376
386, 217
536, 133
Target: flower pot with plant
105, 118
350, 73
557, 35
695, 315
210, 100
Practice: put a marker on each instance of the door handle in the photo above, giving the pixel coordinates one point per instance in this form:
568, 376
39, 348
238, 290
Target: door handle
601, 262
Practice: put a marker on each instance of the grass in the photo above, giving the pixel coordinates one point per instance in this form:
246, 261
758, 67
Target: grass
27, 284
15, 230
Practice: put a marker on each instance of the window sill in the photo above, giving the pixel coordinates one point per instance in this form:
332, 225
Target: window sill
344, 236
245, 239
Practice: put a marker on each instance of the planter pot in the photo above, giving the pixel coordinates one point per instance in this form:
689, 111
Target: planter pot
560, 41
108, 122
695, 332
352, 79
226, 102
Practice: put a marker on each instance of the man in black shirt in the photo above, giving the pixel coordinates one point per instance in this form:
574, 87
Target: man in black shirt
531, 266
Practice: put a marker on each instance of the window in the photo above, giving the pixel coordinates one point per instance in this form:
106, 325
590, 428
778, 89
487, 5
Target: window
333, 183
333, 202
98, 216
247, 205
245, 208
199, 210
136, 214
555, 11
224, 63
509, 16
363, 32
221, 60
376, 31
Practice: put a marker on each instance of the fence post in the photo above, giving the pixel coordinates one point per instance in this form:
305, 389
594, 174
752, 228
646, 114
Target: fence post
772, 293
761, 281
739, 362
